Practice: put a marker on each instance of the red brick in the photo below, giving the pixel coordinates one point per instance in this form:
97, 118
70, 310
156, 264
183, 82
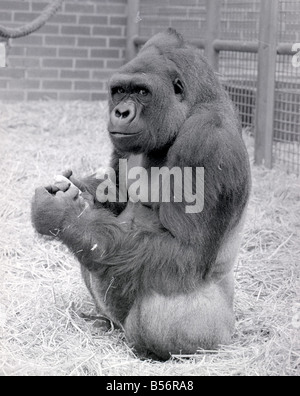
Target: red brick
118, 20
23, 84
42, 51
5, 16
31, 40
91, 42
12, 73
16, 51
89, 63
115, 63
42, 95
24, 62
76, 30
99, 96
88, 85
172, 11
60, 41
58, 63
111, 9
75, 74
107, 31
74, 96
93, 20
12, 95
64, 19
80, 8
49, 29
14, 5
105, 53
186, 3
25, 16
65, 60
39, 6
113, 1
58, 85
73, 53
42, 73
103, 75
117, 42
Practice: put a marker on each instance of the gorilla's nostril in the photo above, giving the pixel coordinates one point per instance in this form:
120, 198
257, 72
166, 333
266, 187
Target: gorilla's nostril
118, 114
126, 114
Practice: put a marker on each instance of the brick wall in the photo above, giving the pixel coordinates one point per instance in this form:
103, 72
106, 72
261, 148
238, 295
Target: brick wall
70, 58
73, 56
186, 16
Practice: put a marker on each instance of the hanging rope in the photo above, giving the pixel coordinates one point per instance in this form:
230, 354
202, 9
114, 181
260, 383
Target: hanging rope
32, 26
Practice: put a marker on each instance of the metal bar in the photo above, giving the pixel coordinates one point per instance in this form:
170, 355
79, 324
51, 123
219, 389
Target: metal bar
132, 28
139, 40
227, 45
235, 46
285, 49
266, 82
213, 8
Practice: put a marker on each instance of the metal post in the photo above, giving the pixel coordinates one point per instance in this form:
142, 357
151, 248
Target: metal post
264, 124
132, 28
213, 9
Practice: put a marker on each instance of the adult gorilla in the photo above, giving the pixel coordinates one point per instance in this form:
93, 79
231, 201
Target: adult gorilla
164, 275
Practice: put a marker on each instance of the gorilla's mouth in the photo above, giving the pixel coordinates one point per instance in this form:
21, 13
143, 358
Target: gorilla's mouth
124, 134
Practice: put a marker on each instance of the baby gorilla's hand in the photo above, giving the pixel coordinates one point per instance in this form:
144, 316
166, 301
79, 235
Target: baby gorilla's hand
65, 181
52, 206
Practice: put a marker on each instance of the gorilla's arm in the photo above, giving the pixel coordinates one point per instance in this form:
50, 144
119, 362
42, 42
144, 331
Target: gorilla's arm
219, 149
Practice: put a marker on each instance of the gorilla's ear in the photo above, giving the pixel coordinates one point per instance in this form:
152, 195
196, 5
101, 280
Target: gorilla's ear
167, 39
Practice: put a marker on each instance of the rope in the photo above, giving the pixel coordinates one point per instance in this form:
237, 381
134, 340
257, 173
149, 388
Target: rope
33, 26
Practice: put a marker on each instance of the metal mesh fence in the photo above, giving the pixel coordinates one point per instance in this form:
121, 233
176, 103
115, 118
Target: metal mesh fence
239, 21
238, 70
188, 17
286, 145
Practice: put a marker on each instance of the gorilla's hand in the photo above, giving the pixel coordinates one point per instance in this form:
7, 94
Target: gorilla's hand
68, 176
51, 206
87, 185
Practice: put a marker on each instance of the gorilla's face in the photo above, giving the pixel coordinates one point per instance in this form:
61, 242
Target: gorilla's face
147, 103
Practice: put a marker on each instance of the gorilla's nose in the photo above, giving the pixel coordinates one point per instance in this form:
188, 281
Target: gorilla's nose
123, 114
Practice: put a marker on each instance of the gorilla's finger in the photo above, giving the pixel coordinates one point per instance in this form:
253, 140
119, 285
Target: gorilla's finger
63, 186
68, 173
77, 183
72, 192
60, 194
72, 179
45, 192
52, 189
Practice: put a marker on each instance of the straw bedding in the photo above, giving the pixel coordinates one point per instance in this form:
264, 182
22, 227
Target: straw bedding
43, 302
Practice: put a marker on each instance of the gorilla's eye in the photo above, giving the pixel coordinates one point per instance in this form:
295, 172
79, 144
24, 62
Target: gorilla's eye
178, 87
117, 90
143, 92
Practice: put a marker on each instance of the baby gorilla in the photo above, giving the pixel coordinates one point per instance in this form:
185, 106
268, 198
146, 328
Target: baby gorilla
158, 270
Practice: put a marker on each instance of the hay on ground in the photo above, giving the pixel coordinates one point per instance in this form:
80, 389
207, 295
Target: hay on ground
42, 296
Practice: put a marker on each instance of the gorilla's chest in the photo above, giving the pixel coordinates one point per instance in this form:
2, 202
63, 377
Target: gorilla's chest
139, 181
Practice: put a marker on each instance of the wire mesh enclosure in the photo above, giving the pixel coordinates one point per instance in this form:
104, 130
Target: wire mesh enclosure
286, 144
238, 70
252, 53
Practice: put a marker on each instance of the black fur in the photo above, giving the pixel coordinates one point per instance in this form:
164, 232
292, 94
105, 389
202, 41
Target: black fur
158, 251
